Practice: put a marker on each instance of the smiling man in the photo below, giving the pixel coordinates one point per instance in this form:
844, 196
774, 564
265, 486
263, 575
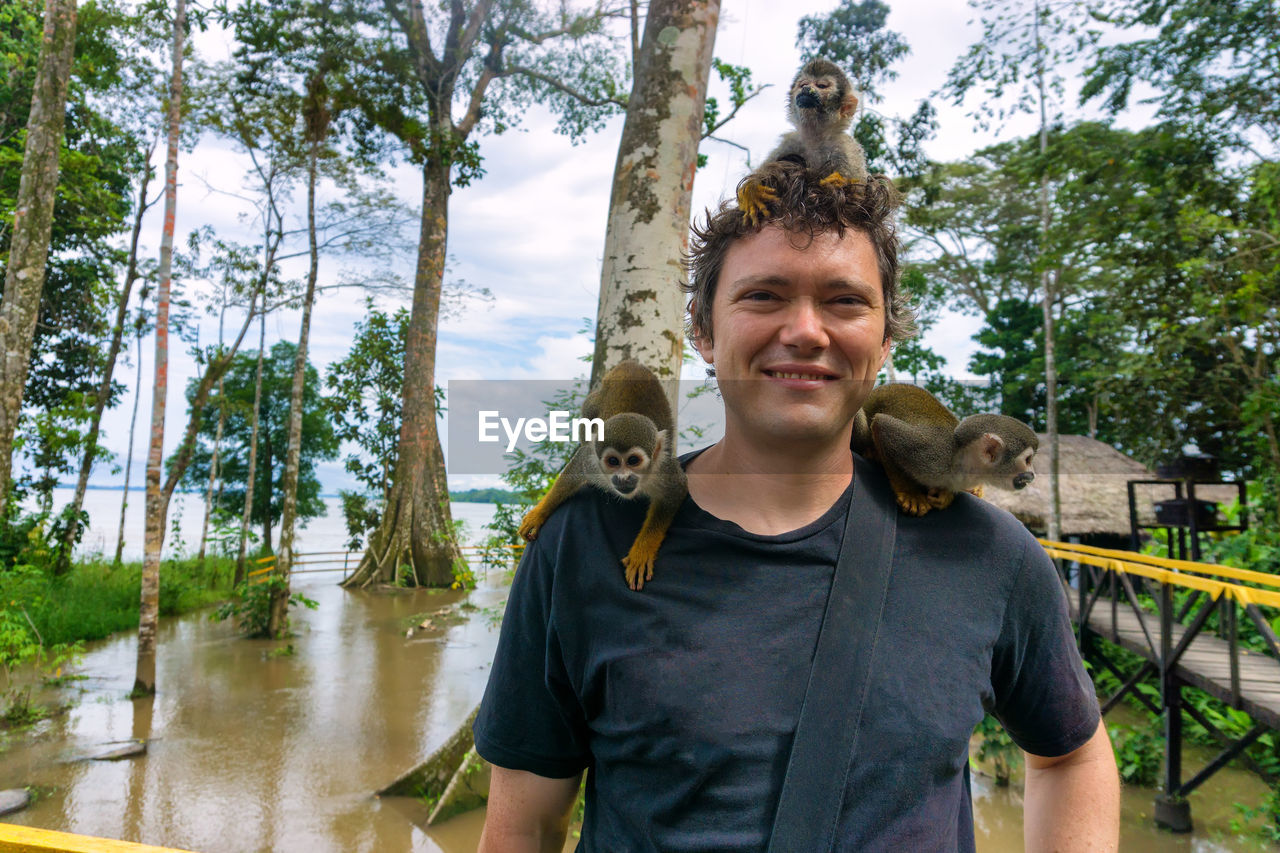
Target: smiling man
683, 700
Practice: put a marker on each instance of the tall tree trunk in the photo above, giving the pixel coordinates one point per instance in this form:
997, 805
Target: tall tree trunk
293, 453
128, 461
1048, 287
33, 222
213, 471
268, 460
157, 504
253, 456
641, 309
417, 527
108, 369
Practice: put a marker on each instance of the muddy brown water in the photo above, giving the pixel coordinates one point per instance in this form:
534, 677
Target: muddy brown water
254, 752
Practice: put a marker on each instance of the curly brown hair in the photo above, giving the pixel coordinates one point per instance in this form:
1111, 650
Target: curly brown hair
806, 208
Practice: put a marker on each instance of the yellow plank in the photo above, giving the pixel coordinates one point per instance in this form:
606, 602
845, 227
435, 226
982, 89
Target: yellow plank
28, 839
1164, 562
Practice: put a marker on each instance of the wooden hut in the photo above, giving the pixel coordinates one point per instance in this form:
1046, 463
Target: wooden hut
1094, 489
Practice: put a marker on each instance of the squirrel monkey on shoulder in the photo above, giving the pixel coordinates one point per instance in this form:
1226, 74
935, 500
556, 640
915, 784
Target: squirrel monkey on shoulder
821, 104
635, 457
929, 454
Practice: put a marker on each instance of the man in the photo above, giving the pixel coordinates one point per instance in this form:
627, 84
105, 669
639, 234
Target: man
683, 699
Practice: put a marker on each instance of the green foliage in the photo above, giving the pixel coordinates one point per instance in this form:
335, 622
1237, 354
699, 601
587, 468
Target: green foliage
1208, 61
524, 54
484, 496
1015, 51
738, 78
319, 437
1139, 753
100, 157
997, 748
1264, 819
366, 391
250, 606
23, 646
1140, 744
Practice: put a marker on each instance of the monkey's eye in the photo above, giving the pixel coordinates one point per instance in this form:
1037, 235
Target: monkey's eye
612, 461
633, 460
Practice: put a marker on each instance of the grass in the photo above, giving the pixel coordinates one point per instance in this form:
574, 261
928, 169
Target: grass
96, 599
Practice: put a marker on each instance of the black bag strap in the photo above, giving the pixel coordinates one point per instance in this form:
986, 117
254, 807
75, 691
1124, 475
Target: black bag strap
827, 733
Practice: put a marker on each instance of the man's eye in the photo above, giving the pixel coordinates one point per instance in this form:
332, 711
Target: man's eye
759, 296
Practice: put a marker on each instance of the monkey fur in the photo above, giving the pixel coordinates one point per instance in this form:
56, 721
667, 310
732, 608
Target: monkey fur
634, 458
820, 106
929, 454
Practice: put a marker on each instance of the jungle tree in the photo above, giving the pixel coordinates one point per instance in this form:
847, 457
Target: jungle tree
32, 222
488, 59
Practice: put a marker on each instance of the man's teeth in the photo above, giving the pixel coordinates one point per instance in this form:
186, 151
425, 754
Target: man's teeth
782, 375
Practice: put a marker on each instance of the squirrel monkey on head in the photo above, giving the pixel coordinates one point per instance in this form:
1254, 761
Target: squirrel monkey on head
820, 105
929, 454
635, 457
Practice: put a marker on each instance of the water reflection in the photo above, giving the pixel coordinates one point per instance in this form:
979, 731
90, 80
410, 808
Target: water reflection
252, 750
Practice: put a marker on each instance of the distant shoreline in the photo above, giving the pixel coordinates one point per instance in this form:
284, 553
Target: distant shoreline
480, 496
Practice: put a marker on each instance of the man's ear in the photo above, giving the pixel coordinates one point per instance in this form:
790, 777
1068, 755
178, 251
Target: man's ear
884, 351
701, 340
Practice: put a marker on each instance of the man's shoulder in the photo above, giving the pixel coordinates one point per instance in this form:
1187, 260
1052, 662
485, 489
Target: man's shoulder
587, 513
969, 539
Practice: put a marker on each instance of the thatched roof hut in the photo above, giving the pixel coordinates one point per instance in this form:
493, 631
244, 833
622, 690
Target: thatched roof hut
1093, 486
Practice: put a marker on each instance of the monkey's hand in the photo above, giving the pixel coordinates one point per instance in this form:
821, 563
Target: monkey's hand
532, 523
913, 503
912, 498
976, 491
639, 560
754, 199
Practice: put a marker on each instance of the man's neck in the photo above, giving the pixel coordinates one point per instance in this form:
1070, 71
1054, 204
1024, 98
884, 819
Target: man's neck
769, 490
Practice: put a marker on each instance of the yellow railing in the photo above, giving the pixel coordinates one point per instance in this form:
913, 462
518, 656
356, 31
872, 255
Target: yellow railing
1207, 577
28, 839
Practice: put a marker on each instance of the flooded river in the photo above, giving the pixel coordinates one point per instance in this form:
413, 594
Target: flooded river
251, 751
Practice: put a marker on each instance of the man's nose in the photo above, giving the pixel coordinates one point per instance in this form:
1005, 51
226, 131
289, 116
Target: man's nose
804, 327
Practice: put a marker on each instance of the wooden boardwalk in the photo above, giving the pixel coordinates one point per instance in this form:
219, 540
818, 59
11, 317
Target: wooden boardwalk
1205, 664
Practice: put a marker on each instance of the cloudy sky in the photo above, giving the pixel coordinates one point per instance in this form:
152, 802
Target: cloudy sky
532, 230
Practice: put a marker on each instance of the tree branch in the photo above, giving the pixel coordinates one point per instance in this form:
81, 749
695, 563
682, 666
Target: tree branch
568, 90
733, 112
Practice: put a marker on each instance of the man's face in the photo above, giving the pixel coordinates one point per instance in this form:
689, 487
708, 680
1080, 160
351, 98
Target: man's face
797, 334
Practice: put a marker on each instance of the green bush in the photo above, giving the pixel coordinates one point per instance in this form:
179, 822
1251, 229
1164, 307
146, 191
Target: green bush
998, 748
1139, 753
250, 606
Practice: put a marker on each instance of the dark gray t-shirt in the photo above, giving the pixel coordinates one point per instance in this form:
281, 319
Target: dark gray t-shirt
683, 698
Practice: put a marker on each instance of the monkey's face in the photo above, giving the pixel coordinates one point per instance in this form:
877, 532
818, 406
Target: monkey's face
1020, 466
820, 100
625, 469
1007, 464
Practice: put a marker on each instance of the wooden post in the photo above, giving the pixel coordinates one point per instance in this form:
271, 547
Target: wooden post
1171, 811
